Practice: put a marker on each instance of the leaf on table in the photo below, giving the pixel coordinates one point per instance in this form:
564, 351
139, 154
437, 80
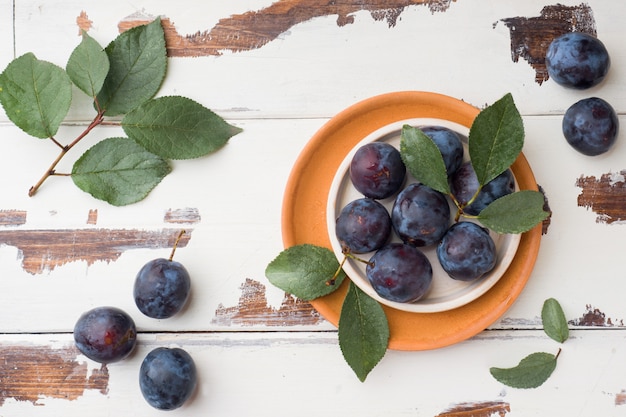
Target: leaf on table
496, 138
363, 331
517, 212
554, 321
88, 66
118, 171
305, 271
177, 127
138, 62
423, 159
531, 372
36, 95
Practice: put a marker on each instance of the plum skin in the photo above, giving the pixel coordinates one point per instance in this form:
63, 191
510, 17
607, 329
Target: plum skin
161, 288
464, 184
449, 144
363, 226
591, 126
400, 272
577, 60
167, 378
467, 252
105, 334
377, 170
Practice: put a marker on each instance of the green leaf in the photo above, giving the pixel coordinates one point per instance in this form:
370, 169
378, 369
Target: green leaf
36, 95
138, 62
517, 212
88, 66
118, 171
305, 271
423, 159
531, 372
495, 139
363, 331
554, 322
177, 128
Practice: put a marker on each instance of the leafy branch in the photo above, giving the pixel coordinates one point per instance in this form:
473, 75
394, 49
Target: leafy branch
123, 80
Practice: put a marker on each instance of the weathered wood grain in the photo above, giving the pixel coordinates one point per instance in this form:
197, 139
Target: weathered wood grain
605, 196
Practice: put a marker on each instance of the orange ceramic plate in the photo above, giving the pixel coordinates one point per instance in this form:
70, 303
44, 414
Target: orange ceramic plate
304, 217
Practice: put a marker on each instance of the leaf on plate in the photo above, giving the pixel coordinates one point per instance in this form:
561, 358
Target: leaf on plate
88, 66
531, 372
554, 322
517, 212
423, 159
36, 95
496, 138
363, 331
138, 63
177, 127
305, 271
118, 171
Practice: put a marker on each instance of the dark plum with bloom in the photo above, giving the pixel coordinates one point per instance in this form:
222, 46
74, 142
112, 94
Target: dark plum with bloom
464, 185
467, 251
590, 126
449, 144
577, 60
400, 272
377, 170
363, 226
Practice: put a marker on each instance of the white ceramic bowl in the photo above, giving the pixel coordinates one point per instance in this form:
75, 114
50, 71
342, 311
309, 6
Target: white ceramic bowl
445, 293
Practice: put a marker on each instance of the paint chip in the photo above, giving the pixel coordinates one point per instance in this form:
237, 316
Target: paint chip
253, 309
57, 373
477, 409
531, 36
605, 196
12, 217
594, 317
183, 216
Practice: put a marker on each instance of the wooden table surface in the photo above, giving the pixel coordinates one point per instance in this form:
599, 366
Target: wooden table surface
280, 70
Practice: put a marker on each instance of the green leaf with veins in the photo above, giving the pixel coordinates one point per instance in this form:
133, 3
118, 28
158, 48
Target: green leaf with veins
176, 127
531, 372
88, 66
517, 212
138, 62
36, 95
305, 271
554, 322
496, 138
363, 331
118, 171
423, 159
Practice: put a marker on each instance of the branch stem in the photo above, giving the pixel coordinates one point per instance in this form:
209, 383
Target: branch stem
64, 150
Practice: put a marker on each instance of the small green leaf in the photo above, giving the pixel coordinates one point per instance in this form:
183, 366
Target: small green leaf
517, 212
305, 271
177, 128
423, 159
495, 139
554, 322
36, 95
363, 331
118, 171
88, 66
531, 372
138, 62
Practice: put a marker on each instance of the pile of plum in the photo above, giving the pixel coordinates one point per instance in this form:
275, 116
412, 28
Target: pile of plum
581, 61
168, 376
420, 216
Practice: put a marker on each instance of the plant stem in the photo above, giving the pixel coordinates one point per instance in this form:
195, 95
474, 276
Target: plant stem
180, 235
64, 150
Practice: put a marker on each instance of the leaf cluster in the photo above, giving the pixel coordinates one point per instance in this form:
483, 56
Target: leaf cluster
123, 79
309, 271
533, 370
495, 141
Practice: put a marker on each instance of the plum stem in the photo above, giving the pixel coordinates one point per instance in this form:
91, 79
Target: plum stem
180, 235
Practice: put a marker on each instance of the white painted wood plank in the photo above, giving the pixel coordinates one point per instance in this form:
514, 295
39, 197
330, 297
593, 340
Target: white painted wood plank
6, 32
238, 193
265, 375
317, 68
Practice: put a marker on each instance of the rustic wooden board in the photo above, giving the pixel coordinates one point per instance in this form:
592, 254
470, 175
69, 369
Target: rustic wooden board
464, 50
266, 374
6, 33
